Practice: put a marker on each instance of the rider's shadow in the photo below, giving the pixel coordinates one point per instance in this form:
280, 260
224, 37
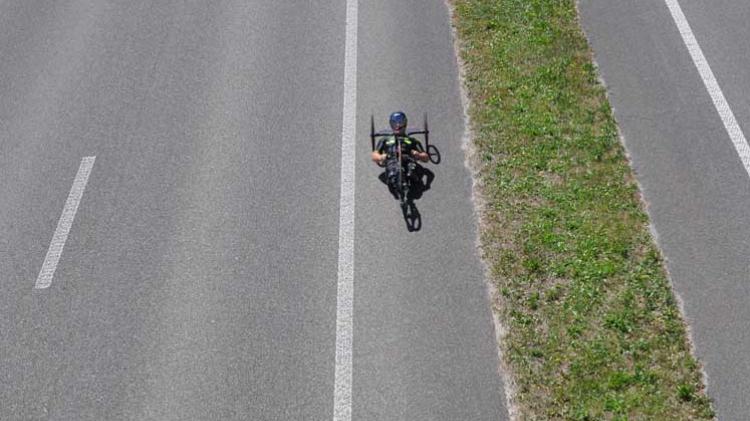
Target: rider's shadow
422, 179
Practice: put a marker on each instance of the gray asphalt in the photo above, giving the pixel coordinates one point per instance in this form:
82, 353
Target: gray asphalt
199, 277
697, 190
421, 316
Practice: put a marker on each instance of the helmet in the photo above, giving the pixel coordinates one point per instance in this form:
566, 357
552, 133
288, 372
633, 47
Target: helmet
398, 121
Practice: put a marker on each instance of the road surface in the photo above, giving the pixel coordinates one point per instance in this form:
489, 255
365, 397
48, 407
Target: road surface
198, 277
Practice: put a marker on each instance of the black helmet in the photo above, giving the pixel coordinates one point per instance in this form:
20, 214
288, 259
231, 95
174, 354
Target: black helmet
398, 121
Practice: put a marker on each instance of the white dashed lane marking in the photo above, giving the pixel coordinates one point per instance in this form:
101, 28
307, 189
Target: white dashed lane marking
44, 280
714, 90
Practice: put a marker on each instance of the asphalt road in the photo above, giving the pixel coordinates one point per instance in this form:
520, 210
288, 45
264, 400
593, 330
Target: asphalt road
199, 277
696, 187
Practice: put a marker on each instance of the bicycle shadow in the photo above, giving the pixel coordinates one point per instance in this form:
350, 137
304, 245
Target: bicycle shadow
421, 182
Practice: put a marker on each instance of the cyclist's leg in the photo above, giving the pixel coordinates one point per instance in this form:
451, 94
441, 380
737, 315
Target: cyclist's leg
391, 168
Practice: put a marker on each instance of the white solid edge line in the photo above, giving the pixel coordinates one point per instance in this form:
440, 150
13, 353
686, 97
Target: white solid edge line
44, 280
342, 395
720, 102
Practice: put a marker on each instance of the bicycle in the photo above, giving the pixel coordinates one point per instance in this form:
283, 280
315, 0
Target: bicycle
407, 164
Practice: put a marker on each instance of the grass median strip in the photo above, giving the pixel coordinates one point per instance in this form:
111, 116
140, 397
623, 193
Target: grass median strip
593, 328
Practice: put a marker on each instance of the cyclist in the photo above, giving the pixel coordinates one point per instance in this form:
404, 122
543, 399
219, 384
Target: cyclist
387, 149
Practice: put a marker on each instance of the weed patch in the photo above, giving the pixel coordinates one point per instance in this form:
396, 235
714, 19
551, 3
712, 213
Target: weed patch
593, 329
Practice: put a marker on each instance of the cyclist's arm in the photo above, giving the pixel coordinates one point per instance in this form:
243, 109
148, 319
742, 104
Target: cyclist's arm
417, 145
419, 152
378, 155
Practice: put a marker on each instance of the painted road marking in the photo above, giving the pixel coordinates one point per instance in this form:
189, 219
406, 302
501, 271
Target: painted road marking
720, 102
63, 225
342, 395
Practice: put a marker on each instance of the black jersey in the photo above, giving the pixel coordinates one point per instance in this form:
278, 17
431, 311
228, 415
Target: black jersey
389, 145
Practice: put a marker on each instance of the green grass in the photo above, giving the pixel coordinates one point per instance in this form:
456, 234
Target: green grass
593, 329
